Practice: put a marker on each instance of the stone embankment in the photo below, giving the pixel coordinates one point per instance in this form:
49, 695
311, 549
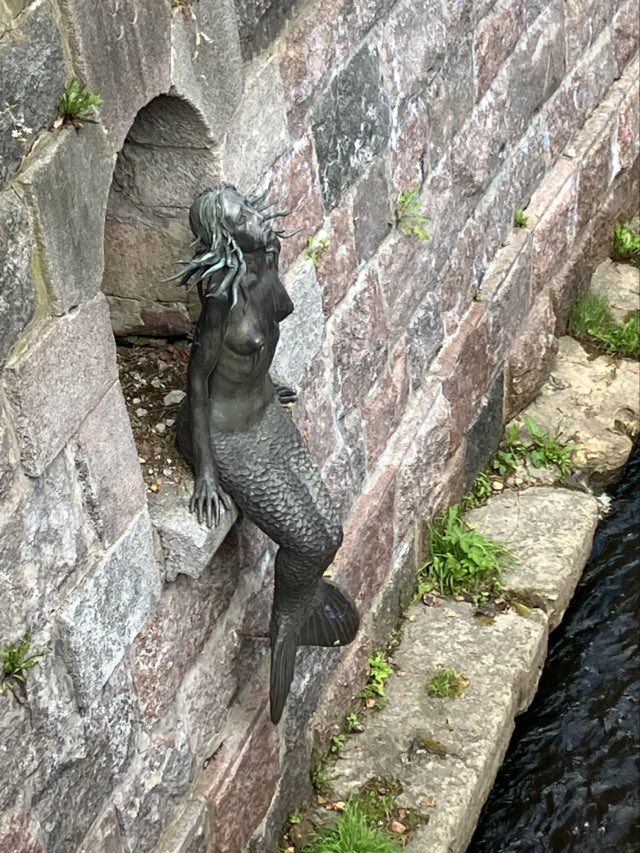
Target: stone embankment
548, 528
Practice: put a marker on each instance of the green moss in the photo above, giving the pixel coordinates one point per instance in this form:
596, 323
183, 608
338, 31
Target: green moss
626, 243
447, 683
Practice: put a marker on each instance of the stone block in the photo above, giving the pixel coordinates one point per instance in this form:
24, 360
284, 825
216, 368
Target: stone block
144, 317
496, 36
258, 132
189, 832
549, 531
112, 723
260, 21
485, 433
311, 46
104, 835
463, 366
294, 186
364, 559
531, 355
595, 169
407, 145
580, 92
18, 834
460, 279
177, 631
154, 788
118, 47
404, 272
584, 21
425, 335
371, 211
552, 215
628, 130
508, 297
351, 123
17, 287
338, 264
382, 409
108, 467
360, 341
58, 379
619, 285
414, 44
33, 77
8, 455
539, 58
302, 333
43, 539
187, 545
236, 809
104, 613
68, 182
626, 33
206, 62
420, 464
449, 98
478, 150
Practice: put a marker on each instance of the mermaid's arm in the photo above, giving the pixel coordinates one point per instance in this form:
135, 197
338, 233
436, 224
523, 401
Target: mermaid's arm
207, 497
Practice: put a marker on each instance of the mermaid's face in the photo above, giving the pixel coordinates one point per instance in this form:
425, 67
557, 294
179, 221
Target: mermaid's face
248, 228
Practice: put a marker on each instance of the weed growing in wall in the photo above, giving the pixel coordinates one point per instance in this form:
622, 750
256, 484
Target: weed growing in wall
17, 660
520, 219
373, 692
77, 104
408, 217
591, 321
316, 247
626, 243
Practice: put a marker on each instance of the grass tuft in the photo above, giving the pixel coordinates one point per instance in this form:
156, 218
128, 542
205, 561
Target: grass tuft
520, 219
461, 560
354, 834
447, 683
626, 244
17, 660
591, 320
77, 103
407, 216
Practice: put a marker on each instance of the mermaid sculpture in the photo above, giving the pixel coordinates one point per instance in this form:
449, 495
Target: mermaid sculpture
239, 438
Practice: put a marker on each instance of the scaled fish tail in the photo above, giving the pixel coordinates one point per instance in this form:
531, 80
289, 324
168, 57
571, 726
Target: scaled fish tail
334, 621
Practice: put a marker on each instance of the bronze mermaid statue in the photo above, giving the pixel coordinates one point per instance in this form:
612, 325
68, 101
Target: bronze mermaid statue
239, 438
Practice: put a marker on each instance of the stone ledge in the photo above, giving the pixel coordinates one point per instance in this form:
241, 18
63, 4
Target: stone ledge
188, 546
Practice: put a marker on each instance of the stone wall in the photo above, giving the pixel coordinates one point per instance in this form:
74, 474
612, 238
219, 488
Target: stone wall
146, 727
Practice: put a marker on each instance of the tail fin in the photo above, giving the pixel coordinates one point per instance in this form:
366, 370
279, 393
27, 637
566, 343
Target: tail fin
334, 622
283, 657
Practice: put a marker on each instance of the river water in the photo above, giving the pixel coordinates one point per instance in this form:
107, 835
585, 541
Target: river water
571, 779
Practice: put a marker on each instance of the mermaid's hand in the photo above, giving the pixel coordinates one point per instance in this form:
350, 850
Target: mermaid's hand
207, 499
286, 395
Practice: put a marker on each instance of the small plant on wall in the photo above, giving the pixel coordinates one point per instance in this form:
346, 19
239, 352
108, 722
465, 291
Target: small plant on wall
408, 217
77, 104
18, 659
520, 219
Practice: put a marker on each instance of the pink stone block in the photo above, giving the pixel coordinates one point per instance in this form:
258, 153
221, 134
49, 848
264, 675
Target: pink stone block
383, 407
496, 37
337, 268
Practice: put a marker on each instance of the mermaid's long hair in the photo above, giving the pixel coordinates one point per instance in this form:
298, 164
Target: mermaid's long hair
215, 247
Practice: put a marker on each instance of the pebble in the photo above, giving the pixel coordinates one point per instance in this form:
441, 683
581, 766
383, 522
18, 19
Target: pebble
157, 383
170, 422
141, 412
397, 827
497, 486
160, 428
136, 400
173, 398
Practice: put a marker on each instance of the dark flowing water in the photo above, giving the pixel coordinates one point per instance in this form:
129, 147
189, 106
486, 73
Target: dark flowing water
571, 779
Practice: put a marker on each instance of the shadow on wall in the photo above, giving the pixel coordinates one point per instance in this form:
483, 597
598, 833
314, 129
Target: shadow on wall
166, 159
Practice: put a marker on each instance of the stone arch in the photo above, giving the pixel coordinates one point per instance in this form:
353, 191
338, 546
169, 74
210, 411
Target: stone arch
167, 157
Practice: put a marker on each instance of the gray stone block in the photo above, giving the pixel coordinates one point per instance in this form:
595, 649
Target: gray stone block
43, 539
17, 288
350, 123
206, 63
187, 546
8, 454
260, 21
56, 381
425, 334
123, 50
103, 614
67, 184
413, 45
33, 77
302, 333
371, 211
485, 433
258, 133
549, 532
108, 467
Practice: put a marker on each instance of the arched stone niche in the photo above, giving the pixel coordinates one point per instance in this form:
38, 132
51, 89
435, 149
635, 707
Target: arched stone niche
167, 157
